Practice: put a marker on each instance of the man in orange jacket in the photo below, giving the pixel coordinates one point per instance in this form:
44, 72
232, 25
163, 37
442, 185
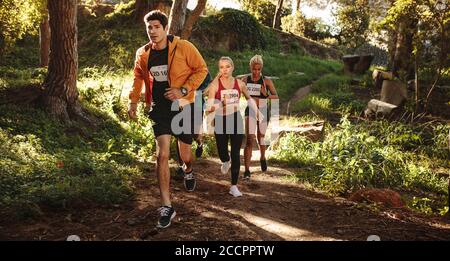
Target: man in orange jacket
171, 70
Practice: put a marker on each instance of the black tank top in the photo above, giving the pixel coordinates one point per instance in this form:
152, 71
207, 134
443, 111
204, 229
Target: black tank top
254, 88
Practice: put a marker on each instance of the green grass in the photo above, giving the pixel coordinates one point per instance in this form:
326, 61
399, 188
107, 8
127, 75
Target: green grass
44, 162
16, 78
377, 154
331, 93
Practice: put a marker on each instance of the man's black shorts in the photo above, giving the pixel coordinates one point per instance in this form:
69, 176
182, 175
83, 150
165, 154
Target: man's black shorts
162, 124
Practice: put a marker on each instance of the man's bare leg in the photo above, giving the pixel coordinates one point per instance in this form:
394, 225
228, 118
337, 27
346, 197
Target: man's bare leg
162, 167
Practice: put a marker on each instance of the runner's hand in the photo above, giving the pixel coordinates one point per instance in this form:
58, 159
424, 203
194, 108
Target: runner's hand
211, 109
132, 108
173, 94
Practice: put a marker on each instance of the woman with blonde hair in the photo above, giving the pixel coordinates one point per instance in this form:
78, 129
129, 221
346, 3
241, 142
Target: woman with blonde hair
223, 97
262, 90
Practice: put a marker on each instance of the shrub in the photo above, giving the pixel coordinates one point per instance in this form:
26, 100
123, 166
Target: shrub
234, 29
294, 24
263, 10
355, 156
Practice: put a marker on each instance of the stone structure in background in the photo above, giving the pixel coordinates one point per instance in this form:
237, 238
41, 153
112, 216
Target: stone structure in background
393, 94
311, 130
357, 64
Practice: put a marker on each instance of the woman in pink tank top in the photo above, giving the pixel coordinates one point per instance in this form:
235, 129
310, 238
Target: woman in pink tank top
224, 99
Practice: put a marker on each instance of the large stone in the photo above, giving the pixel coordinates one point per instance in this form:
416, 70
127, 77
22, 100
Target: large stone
382, 74
377, 107
349, 62
393, 92
363, 63
386, 197
311, 130
357, 63
379, 76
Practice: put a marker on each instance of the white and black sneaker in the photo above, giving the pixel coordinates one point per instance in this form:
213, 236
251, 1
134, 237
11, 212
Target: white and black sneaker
189, 181
166, 214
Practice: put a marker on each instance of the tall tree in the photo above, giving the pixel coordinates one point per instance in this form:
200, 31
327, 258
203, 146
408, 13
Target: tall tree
353, 18
142, 7
402, 59
177, 16
44, 41
44, 33
277, 17
193, 17
60, 89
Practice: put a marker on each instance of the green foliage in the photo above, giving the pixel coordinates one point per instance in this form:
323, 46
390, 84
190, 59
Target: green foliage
13, 78
43, 162
316, 29
17, 19
352, 157
116, 35
428, 206
238, 28
25, 53
430, 41
294, 24
353, 18
330, 94
312, 28
46, 163
263, 10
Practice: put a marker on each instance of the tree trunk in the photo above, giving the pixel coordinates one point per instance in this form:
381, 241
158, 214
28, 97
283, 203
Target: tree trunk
193, 17
403, 64
142, 7
391, 44
277, 17
177, 16
60, 89
295, 6
44, 42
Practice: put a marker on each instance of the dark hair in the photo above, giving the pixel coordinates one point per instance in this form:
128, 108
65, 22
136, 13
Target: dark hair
157, 15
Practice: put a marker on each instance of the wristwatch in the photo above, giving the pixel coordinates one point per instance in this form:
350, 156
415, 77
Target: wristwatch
184, 91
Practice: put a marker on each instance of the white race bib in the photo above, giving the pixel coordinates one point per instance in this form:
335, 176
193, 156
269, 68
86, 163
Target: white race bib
254, 89
159, 73
229, 96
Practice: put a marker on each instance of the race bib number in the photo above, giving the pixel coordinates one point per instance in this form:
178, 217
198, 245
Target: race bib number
254, 89
229, 96
159, 73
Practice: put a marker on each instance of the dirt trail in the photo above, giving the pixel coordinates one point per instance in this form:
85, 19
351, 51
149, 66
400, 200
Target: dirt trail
272, 208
